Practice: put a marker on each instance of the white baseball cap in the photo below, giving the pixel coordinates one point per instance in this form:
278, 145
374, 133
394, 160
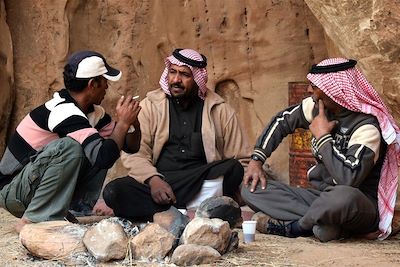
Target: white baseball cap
90, 64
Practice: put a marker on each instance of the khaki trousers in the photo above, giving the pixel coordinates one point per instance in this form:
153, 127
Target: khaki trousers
44, 188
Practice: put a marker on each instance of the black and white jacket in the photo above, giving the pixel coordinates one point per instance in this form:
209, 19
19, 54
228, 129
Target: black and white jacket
352, 154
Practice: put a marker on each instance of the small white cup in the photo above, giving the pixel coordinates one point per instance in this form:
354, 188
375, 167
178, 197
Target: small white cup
249, 231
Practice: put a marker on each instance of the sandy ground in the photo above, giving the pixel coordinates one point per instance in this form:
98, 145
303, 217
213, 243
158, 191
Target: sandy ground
267, 250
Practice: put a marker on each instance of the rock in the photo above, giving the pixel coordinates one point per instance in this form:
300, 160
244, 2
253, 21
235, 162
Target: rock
172, 220
153, 242
129, 228
367, 31
215, 233
6, 77
191, 254
106, 241
53, 240
224, 208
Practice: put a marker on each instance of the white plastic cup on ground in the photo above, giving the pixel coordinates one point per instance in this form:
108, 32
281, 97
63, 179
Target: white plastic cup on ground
249, 231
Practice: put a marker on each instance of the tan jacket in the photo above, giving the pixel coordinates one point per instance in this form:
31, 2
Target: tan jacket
222, 135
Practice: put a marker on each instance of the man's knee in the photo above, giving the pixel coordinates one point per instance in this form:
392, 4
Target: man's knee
237, 165
344, 197
109, 194
245, 192
347, 193
258, 191
252, 198
70, 146
60, 160
63, 148
235, 171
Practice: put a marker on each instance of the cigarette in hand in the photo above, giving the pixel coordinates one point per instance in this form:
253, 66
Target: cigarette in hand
135, 97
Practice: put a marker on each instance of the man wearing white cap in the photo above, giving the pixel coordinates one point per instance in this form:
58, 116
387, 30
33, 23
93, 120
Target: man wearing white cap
57, 158
190, 138
356, 146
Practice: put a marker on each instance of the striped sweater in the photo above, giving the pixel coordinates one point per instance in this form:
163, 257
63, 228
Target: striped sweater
57, 118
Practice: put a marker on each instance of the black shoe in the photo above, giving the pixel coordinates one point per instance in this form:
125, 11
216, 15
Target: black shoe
269, 225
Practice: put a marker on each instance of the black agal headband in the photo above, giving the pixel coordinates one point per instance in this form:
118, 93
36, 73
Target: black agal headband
333, 68
189, 61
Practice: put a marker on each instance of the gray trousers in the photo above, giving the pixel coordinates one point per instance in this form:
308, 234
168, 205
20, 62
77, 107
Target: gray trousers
340, 205
56, 176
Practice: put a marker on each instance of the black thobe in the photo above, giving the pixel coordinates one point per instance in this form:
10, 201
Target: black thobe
183, 164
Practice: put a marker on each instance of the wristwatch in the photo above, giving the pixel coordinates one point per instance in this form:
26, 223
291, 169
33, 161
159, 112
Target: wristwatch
257, 158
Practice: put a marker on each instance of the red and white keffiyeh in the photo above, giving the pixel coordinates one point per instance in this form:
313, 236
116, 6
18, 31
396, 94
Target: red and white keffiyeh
199, 74
350, 89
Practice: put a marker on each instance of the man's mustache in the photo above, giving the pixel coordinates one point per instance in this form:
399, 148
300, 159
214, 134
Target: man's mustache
177, 85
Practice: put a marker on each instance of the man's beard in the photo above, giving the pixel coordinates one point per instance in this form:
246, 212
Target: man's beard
186, 95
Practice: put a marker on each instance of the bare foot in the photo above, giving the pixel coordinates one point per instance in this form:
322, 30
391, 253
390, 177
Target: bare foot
102, 209
191, 213
21, 223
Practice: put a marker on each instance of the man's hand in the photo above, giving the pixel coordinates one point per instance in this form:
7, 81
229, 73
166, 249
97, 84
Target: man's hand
320, 124
161, 191
102, 209
256, 174
127, 110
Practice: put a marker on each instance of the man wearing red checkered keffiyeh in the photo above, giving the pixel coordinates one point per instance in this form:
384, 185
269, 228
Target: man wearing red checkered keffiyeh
356, 145
189, 137
350, 89
192, 60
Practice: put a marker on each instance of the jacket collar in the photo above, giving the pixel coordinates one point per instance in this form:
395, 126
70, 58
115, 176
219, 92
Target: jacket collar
64, 93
